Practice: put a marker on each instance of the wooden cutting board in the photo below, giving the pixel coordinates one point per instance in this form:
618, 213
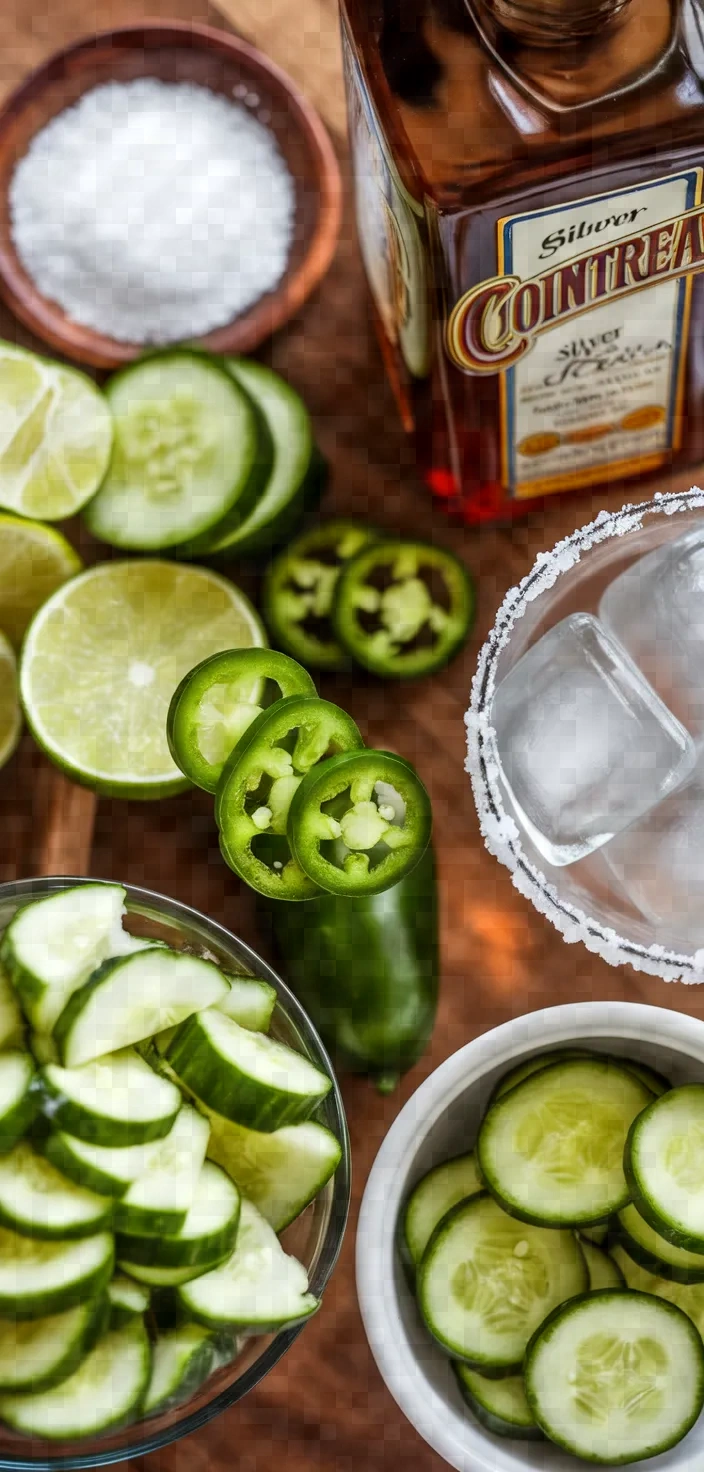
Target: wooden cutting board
324, 1408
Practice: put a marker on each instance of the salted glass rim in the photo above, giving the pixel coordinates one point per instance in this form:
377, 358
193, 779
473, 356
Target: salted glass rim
146, 901
499, 830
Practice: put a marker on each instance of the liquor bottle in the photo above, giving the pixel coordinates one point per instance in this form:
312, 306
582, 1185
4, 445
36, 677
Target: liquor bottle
529, 199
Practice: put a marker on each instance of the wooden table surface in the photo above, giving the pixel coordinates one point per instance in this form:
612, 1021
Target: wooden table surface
324, 1408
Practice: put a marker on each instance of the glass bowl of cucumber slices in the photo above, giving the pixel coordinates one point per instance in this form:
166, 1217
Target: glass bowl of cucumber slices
174, 1171
530, 1251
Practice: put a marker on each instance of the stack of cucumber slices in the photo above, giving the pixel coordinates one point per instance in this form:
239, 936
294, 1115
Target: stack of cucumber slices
154, 1139
560, 1264
211, 455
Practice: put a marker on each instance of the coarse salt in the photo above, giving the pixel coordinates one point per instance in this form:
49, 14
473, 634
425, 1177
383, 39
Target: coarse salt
153, 211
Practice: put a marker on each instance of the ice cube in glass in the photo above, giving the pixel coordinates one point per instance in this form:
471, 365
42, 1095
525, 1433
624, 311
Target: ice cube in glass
585, 745
659, 864
656, 609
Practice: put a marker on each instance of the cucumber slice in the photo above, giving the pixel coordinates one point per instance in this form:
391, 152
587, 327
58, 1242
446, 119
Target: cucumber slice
656, 1082
596, 1233
185, 454
154, 1277
654, 1252
499, 1405
38, 1201
127, 1300
616, 1376
435, 1195
280, 1172
207, 1235
664, 1164
259, 1287
11, 1017
249, 1002
182, 1359
245, 1076
38, 1278
129, 999
51, 946
486, 1281
603, 1271
158, 1202
535, 1065
115, 1101
37, 1354
18, 1100
43, 1048
551, 1150
283, 498
687, 1296
106, 1391
108, 1172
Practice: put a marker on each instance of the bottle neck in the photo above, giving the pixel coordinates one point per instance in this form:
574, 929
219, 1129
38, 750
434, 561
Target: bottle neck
546, 23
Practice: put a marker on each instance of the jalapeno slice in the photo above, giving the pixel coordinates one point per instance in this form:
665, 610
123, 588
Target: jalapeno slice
299, 587
403, 608
218, 700
259, 781
359, 821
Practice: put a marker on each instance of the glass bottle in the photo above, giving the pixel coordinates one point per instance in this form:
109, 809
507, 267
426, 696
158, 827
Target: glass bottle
529, 187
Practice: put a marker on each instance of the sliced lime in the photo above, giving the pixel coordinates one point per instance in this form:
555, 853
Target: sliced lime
10, 713
34, 561
103, 657
55, 436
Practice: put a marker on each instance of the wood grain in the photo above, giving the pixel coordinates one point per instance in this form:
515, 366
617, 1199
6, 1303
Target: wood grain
63, 821
304, 39
324, 1408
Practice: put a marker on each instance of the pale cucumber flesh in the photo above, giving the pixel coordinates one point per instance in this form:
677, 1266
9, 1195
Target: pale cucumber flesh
105, 1391
486, 1282
551, 1149
438, 1191
616, 1376
259, 1285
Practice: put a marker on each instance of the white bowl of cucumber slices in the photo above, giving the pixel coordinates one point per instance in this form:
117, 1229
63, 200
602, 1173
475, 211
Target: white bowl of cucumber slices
174, 1171
530, 1252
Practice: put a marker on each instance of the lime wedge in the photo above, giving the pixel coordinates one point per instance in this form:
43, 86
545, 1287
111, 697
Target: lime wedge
55, 436
10, 713
103, 657
34, 561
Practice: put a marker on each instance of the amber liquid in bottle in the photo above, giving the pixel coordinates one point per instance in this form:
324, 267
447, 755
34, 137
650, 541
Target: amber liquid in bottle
495, 140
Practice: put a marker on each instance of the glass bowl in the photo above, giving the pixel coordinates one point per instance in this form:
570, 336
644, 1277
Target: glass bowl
314, 1238
582, 900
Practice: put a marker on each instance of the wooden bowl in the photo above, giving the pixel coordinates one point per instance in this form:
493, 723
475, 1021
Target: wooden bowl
174, 52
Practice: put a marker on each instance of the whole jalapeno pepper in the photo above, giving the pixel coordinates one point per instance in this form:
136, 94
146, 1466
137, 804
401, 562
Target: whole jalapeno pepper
366, 969
258, 783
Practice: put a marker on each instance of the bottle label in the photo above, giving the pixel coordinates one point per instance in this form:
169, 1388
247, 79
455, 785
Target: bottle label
586, 327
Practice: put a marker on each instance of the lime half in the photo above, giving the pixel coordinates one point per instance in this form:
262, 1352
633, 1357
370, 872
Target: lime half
10, 713
55, 436
34, 561
103, 657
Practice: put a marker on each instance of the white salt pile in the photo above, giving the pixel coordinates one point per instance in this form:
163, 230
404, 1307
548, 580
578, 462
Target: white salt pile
153, 211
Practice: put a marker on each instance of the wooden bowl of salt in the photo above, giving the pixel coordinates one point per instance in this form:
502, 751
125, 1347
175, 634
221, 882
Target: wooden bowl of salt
170, 52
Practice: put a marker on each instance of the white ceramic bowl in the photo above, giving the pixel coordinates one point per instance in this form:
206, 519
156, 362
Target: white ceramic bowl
439, 1121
